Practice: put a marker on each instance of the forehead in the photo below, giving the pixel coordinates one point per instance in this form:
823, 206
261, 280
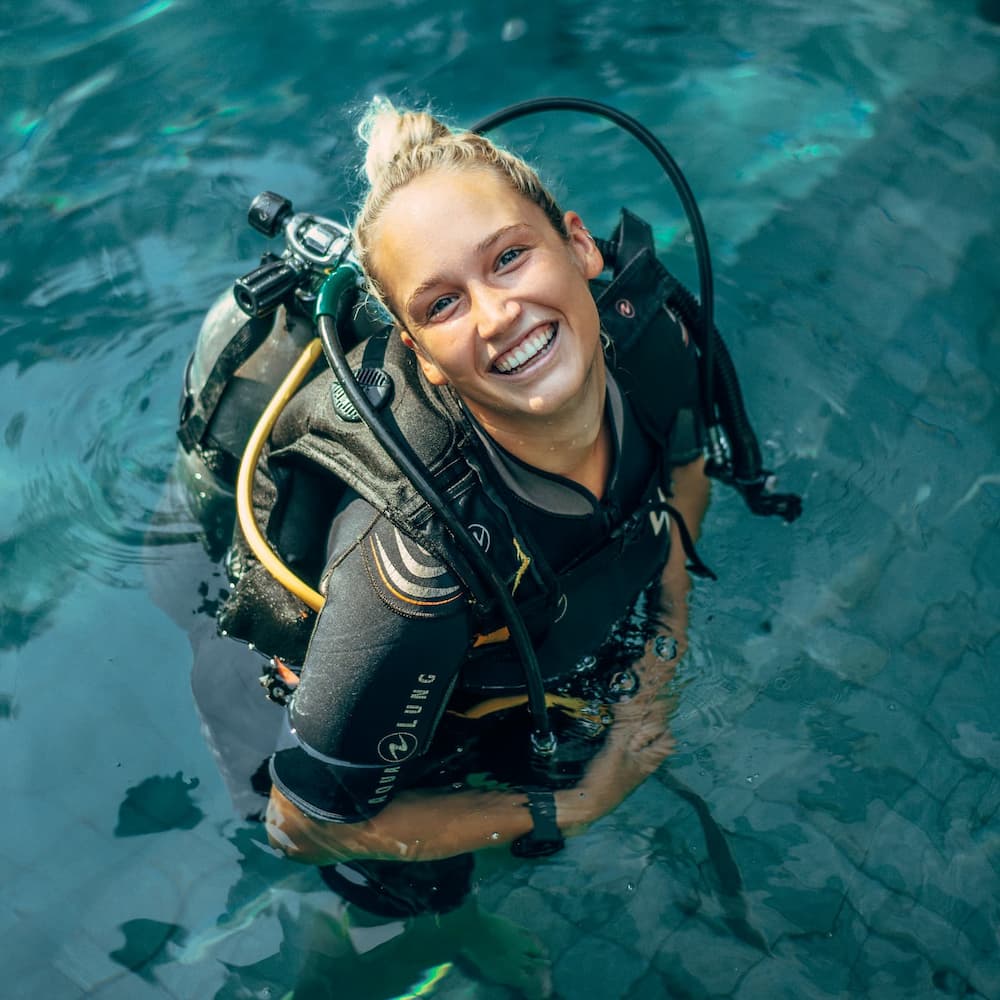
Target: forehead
435, 221
469, 194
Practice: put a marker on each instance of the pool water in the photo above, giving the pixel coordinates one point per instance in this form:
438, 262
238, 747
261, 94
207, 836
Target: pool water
828, 826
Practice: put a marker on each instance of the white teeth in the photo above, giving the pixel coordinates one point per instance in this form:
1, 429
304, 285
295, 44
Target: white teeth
523, 353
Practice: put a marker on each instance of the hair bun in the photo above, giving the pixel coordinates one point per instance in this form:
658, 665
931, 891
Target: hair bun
390, 134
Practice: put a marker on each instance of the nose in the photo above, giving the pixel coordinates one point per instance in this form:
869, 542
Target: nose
496, 309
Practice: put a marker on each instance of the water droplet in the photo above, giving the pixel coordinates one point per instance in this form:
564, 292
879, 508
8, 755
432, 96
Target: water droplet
630, 886
494, 836
665, 647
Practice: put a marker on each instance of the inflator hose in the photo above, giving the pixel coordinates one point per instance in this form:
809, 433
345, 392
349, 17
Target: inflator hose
728, 396
334, 308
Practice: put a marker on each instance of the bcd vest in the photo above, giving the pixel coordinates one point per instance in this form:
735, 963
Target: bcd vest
314, 455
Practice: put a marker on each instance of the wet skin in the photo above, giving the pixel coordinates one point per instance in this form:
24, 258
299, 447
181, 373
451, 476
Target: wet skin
495, 302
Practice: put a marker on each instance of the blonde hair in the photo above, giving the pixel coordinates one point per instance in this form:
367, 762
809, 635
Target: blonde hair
403, 145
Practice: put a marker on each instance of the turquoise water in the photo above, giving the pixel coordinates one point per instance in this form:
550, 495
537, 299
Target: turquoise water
837, 718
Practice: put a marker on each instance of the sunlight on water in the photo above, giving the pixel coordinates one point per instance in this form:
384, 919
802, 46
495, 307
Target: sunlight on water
54, 49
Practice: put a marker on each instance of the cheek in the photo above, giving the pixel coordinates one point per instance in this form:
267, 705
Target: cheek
450, 353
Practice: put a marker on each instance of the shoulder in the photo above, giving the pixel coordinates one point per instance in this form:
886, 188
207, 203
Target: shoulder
405, 576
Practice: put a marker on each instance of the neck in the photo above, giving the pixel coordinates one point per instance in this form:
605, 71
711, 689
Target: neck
575, 443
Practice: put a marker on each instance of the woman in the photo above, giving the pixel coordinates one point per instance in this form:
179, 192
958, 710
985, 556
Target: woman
487, 282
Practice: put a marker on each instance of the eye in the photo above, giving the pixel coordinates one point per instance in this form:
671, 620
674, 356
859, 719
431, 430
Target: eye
508, 257
439, 305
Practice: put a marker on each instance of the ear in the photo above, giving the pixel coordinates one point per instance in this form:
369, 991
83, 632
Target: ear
432, 373
583, 246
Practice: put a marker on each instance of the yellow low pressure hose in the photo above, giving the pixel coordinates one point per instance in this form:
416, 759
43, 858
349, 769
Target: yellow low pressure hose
244, 480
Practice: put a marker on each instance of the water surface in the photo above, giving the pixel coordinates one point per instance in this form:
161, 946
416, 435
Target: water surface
837, 719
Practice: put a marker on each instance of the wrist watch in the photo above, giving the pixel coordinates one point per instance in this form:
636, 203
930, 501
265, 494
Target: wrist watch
545, 837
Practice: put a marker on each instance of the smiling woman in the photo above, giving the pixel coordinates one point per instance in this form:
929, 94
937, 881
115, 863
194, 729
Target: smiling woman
496, 304
407, 737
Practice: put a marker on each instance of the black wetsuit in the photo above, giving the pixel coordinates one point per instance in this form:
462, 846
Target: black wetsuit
393, 648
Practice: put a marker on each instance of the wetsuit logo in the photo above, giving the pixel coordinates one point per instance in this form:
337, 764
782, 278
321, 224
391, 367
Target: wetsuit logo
561, 608
397, 747
660, 519
482, 535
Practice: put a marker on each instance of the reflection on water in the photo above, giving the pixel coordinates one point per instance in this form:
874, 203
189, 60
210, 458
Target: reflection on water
825, 826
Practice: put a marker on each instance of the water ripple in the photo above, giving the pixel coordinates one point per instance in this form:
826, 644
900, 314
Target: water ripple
23, 48
83, 471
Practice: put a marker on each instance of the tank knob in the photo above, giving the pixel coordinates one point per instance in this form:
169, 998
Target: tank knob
261, 291
269, 212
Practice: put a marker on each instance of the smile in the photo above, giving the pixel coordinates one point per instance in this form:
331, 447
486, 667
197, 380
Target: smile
526, 351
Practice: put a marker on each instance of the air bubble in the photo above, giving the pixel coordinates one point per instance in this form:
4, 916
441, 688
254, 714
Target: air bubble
514, 29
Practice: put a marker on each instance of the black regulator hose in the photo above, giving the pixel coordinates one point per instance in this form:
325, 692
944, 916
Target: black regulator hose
334, 310
733, 451
746, 472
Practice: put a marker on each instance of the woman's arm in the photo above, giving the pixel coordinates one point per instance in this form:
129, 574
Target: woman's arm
691, 489
420, 826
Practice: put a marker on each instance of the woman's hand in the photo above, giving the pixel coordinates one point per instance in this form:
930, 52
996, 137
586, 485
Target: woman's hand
639, 739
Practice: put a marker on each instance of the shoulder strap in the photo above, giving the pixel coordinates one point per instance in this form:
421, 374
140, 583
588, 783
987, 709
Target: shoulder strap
197, 409
649, 352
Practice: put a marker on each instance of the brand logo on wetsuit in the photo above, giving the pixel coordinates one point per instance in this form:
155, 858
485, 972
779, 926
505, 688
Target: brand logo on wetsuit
660, 519
397, 747
401, 745
561, 607
482, 535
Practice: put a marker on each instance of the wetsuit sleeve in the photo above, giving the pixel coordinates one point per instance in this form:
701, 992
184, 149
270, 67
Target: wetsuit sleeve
380, 667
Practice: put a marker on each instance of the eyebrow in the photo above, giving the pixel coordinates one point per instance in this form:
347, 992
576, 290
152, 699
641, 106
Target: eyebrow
481, 247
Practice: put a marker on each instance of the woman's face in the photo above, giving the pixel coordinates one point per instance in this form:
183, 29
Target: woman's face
493, 300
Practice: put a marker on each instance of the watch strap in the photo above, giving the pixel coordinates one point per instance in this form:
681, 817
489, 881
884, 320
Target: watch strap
545, 837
